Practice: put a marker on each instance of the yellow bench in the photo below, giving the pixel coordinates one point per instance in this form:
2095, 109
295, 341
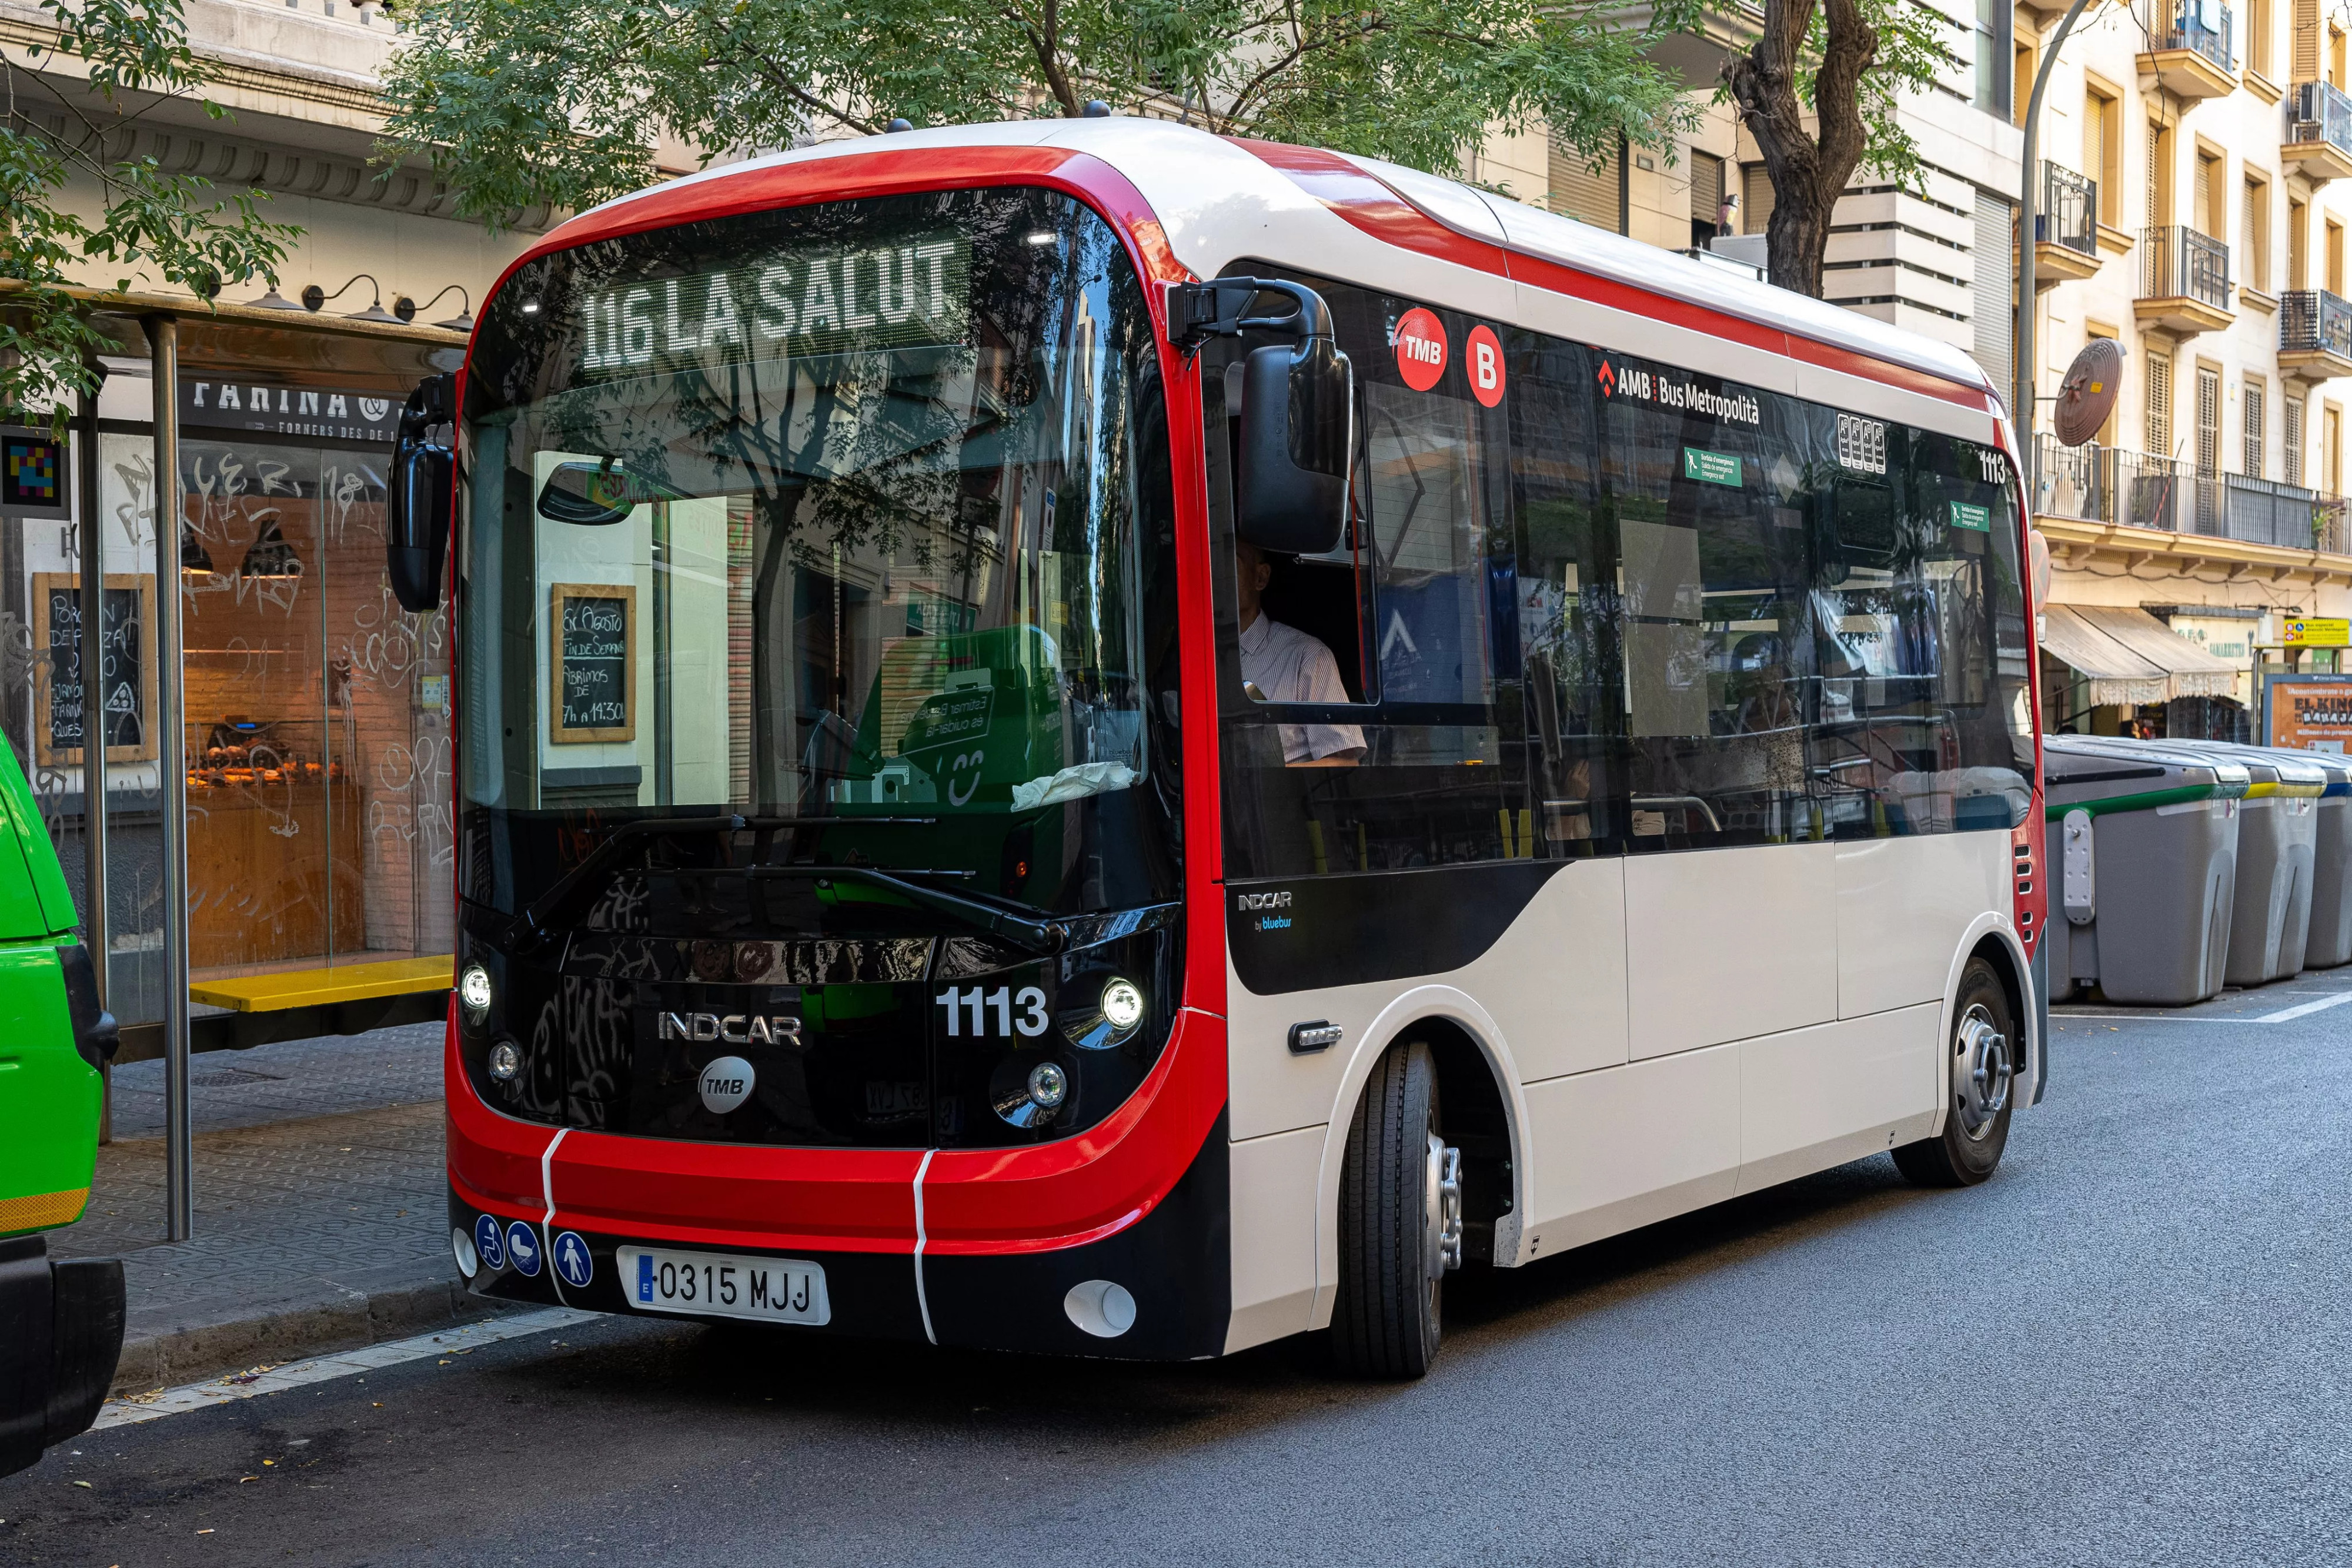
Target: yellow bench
322, 987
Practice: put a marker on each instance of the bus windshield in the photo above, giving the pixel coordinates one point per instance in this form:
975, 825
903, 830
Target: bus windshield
851, 519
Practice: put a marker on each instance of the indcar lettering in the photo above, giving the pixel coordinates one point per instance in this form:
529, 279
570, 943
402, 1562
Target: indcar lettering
803, 302
735, 1028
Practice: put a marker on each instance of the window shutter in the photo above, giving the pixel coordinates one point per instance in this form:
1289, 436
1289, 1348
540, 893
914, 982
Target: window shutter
2307, 40
1582, 191
2253, 393
2159, 403
2291, 469
2209, 422
1706, 186
1993, 296
1756, 199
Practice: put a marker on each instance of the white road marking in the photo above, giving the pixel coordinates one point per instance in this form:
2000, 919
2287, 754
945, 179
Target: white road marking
2322, 1005
245, 1384
2283, 1015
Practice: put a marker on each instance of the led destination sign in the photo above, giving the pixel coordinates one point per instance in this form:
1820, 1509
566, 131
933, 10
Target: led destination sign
796, 302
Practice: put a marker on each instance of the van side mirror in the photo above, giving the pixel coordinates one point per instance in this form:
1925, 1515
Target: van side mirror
423, 495
1297, 413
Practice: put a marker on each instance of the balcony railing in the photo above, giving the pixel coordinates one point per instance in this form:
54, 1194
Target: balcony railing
2178, 263
2106, 485
2314, 321
2070, 210
2188, 25
2320, 111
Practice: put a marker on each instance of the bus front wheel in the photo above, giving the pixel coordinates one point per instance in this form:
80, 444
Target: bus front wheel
1400, 1222
1980, 1060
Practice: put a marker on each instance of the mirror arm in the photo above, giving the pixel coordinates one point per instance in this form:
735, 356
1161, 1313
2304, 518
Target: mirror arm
1199, 312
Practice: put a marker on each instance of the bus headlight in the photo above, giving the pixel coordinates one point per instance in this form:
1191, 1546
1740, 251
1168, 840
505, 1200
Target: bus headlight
1122, 1005
506, 1060
474, 990
1026, 1095
1116, 1014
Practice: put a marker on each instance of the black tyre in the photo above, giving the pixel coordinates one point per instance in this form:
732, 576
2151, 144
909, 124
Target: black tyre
1400, 1222
1981, 1058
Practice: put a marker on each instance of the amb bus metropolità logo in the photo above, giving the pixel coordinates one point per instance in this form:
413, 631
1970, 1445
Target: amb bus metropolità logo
1737, 407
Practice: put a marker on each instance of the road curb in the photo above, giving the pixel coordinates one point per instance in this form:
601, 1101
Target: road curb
290, 1331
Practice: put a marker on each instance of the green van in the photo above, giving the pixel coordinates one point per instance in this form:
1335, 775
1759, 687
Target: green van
60, 1320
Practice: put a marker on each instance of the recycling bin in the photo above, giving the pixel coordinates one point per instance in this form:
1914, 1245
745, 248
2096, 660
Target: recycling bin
2278, 842
2142, 855
2330, 939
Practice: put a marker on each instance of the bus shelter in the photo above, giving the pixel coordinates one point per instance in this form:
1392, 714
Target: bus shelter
270, 855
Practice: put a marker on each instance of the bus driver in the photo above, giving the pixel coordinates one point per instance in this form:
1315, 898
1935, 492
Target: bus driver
1283, 664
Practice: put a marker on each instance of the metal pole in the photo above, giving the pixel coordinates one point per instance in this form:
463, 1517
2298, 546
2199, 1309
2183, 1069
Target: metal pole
92, 542
179, 1142
2021, 412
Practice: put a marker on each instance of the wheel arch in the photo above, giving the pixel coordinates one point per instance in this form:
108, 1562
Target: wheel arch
1478, 1083
1995, 941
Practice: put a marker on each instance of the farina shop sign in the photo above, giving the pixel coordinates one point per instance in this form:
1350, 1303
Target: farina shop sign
330, 414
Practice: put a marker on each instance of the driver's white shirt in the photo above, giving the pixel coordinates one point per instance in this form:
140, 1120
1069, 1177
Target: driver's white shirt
1288, 666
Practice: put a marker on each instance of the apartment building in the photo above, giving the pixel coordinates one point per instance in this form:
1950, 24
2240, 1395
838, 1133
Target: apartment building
1937, 258
2195, 189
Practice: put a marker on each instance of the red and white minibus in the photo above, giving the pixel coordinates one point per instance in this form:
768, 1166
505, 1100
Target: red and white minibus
1080, 736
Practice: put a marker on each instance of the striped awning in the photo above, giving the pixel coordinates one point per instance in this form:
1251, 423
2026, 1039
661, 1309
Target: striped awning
2129, 657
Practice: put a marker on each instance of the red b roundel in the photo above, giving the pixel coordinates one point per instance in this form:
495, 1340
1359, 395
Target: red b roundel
1482, 359
1419, 349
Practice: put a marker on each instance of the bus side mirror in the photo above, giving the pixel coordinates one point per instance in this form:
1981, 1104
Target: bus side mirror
1297, 431
422, 495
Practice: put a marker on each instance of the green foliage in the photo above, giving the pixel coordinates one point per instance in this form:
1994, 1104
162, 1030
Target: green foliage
1915, 44
530, 103
169, 225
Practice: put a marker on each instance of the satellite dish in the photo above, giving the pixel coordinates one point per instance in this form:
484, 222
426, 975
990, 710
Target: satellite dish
2087, 395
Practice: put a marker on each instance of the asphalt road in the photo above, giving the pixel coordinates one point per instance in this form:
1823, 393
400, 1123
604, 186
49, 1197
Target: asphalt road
2131, 1346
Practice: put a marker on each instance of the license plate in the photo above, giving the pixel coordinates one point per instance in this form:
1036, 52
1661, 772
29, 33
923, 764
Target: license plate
725, 1285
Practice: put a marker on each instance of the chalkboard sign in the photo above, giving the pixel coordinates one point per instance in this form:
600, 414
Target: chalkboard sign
593, 634
126, 674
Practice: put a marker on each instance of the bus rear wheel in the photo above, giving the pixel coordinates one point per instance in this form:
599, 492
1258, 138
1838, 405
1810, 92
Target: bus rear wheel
1400, 1222
1980, 1060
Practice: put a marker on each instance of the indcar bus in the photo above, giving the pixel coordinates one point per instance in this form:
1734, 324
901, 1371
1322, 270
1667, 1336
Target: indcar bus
1078, 736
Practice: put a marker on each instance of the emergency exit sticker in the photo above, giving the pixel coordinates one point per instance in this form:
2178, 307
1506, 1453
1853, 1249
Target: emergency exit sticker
1710, 468
1483, 354
1421, 349
1965, 515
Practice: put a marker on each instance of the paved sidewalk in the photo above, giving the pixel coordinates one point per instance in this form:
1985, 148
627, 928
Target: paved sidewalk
319, 1206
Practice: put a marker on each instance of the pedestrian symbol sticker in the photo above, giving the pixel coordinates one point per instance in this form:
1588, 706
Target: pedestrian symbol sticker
522, 1246
486, 1241
573, 1263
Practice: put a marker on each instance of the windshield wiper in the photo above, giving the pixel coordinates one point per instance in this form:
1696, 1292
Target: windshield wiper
1038, 937
556, 901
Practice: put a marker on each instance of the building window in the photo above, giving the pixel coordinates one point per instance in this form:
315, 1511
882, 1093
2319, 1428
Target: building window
2209, 215
2255, 235
1590, 190
2253, 393
2159, 401
2027, 53
2209, 422
2160, 174
1707, 214
2291, 443
2102, 152
2335, 257
2258, 36
1993, 63
2298, 243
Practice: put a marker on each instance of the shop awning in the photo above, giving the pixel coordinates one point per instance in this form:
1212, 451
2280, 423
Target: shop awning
2195, 673
2129, 657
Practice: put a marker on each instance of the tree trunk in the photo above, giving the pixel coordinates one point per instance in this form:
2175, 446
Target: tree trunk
1808, 171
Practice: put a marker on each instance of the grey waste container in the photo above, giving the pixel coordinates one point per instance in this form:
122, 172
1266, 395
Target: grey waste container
2278, 841
2141, 852
2330, 943
2330, 939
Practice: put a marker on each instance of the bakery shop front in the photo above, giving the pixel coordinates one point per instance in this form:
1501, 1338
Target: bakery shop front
314, 732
